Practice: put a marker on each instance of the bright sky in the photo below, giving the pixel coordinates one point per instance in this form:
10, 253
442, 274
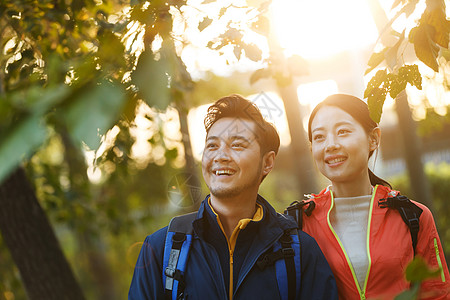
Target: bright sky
313, 29
320, 28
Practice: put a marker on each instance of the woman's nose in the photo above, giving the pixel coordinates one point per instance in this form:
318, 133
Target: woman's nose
332, 144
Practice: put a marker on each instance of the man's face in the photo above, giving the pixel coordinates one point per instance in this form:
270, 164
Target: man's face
232, 162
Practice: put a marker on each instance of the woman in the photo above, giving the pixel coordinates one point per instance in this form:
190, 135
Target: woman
367, 244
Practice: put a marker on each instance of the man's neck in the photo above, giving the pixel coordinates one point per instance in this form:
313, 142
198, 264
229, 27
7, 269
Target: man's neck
232, 210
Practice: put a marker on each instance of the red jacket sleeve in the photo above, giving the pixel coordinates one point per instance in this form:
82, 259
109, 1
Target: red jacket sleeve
430, 248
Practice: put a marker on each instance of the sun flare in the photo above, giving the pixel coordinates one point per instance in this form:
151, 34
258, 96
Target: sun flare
320, 28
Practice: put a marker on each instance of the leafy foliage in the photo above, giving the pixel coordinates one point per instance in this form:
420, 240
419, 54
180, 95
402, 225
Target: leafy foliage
384, 83
416, 272
236, 29
73, 81
433, 121
429, 37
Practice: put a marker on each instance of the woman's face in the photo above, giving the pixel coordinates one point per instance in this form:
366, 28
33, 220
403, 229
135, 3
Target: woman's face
340, 145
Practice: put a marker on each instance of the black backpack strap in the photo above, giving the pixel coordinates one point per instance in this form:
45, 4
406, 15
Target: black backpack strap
409, 212
176, 253
287, 253
296, 209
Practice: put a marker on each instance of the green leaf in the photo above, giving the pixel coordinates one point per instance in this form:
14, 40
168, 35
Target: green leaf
376, 81
259, 74
237, 51
111, 49
261, 26
395, 84
424, 46
375, 59
171, 154
407, 9
205, 23
418, 270
222, 11
392, 53
20, 142
151, 78
396, 3
375, 102
410, 294
233, 35
252, 52
93, 112
436, 17
412, 75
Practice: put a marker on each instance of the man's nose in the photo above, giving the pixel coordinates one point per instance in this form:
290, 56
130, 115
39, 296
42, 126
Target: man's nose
223, 153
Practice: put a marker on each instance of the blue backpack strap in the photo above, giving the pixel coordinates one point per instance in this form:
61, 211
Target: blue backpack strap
286, 256
176, 252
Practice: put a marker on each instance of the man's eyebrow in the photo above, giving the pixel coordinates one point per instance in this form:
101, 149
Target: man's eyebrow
233, 137
239, 137
212, 137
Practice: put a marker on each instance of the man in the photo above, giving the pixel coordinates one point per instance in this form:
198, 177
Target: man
236, 231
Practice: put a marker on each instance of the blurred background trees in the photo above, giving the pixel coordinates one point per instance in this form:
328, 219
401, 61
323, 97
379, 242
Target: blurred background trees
98, 144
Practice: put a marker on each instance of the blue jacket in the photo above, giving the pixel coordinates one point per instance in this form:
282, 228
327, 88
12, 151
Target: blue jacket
207, 272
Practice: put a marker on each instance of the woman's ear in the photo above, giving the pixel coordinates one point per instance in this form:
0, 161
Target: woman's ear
374, 139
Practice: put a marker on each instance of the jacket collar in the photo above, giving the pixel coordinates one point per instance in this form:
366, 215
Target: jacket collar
272, 222
323, 199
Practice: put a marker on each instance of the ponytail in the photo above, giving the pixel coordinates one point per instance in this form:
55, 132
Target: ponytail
374, 180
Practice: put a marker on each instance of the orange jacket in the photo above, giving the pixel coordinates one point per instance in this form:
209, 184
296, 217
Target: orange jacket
389, 248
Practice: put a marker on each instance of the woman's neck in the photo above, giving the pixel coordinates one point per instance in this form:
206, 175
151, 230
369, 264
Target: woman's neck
352, 189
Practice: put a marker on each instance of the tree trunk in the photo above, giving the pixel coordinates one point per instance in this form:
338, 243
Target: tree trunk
301, 156
412, 152
192, 188
90, 244
34, 247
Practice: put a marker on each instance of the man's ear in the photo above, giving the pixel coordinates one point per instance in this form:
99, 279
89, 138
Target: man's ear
268, 162
374, 139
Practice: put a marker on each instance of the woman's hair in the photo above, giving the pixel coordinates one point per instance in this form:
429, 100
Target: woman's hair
359, 110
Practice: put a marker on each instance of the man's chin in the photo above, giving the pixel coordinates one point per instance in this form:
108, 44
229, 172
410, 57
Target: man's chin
224, 192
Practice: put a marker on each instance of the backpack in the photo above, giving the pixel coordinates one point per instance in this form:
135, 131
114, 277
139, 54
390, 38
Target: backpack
409, 212
285, 256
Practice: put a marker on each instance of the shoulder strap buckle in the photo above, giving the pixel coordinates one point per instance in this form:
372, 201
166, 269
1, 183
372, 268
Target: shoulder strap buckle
295, 209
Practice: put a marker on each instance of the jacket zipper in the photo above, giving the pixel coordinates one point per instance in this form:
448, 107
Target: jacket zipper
438, 258
231, 273
362, 293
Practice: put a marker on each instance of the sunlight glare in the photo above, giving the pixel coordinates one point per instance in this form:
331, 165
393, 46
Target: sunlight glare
312, 93
321, 28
